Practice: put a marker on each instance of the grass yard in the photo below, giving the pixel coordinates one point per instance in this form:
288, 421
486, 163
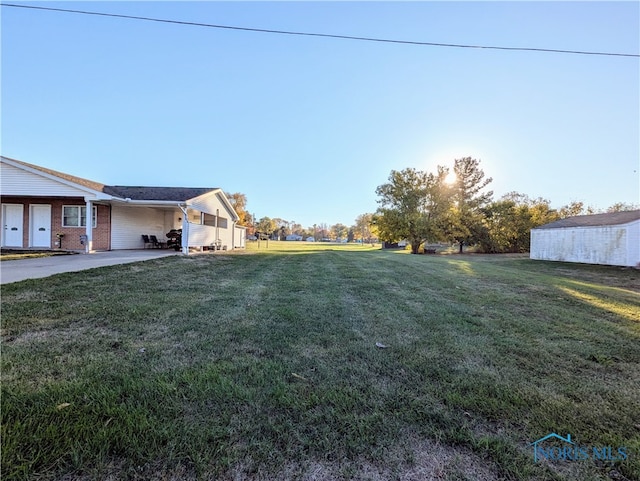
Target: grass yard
263, 365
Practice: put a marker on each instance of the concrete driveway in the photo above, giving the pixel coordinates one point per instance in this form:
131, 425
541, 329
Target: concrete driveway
19, 270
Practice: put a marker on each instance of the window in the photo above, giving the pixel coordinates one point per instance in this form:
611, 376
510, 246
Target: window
194, 216
209, 220
213, 221
76, 216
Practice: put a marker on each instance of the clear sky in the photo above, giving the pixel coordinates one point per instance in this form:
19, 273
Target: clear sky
308, 127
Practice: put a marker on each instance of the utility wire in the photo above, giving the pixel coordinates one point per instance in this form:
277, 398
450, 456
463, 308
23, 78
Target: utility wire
324, 35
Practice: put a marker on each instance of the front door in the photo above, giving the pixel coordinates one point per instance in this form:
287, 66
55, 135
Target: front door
12, 225
40, 225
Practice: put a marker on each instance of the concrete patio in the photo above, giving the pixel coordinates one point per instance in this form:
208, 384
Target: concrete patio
38, 267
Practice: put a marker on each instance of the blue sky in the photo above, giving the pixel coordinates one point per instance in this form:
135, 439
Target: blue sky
308, 127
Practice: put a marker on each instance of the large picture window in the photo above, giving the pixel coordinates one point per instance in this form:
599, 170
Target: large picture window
76, 216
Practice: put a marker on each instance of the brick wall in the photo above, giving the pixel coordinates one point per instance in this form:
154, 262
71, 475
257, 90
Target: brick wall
71, 241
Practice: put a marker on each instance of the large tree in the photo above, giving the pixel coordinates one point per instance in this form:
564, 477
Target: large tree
363, 228
466, 214
508, 222
572, 209
339, 231
623, 206
413, 206
239, 203
265, 227
281, 230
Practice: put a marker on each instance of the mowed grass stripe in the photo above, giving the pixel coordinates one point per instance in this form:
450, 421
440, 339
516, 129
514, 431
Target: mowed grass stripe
266, 365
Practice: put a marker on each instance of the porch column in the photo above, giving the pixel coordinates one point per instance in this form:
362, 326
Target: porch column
185, 233
88, 247
217, 226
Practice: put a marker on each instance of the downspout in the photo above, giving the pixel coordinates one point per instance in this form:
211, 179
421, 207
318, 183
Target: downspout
233, 235
185, 229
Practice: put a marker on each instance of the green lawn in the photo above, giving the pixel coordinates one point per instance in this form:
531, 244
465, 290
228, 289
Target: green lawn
263, 365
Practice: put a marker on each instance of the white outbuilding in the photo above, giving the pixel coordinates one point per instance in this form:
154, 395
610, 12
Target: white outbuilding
611, 239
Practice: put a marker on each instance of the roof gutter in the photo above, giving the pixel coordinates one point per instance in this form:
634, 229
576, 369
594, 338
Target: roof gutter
167, 203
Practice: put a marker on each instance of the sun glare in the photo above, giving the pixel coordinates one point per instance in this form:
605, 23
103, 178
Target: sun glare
451, 178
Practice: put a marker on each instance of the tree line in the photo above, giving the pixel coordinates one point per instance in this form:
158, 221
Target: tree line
434, 207
427, 207
276, 228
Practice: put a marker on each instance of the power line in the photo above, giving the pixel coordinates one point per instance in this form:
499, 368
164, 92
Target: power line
325, 35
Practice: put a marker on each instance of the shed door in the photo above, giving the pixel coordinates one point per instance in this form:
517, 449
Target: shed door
12, 225
40, 225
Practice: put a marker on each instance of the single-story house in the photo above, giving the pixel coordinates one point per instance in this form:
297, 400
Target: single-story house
612, 239
294, 237
43, 208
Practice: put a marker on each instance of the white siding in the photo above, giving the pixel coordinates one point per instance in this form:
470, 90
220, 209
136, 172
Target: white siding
617, 245
211, 203
633, 244
203, 235
239, 237
225, 234
14, 181
129, 223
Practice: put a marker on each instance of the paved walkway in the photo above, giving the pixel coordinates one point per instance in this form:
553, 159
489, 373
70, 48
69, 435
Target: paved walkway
19, 270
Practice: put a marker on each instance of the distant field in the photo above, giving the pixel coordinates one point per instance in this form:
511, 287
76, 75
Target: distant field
288, 246
263, 365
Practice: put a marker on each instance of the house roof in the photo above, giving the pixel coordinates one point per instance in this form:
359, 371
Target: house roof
177, 194
595, 220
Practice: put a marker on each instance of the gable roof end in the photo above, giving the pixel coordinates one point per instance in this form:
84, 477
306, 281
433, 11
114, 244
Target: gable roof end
79, 181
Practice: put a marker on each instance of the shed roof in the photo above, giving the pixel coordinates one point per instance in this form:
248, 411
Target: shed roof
595, 220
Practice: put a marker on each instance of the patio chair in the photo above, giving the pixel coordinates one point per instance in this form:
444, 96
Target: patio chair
146, 241
156, 243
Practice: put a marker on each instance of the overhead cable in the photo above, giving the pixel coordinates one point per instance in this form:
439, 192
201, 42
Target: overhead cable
324, 35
